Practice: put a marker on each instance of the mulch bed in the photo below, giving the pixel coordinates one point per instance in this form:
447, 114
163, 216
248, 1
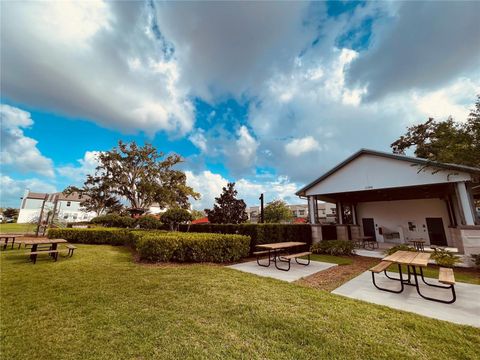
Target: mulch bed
332, 278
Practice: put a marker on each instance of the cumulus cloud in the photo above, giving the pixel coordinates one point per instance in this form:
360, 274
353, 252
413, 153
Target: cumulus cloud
297, 147
210, 186
87, 166
230, 48
95, 60
17, 151
426, 44
11, 190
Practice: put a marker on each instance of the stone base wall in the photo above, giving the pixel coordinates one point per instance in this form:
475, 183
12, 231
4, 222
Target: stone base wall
316, 233
356, 231
342, 232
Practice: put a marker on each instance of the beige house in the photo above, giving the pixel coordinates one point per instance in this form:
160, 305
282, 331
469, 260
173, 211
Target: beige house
326, 212
396, 198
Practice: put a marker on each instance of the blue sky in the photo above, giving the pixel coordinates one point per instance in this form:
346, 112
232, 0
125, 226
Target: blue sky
269, 95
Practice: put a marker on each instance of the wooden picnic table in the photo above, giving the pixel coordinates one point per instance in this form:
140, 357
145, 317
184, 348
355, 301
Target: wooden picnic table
274, 249
35, 242
5, 237
415, 262
418, 244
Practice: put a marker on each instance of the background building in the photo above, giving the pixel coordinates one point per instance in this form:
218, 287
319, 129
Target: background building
326, 212
64, 208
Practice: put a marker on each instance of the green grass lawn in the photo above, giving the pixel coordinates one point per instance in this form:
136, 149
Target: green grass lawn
339, 260
14, 228
101, 305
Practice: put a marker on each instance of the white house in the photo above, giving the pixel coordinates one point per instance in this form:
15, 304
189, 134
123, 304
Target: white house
397, 198
66, 208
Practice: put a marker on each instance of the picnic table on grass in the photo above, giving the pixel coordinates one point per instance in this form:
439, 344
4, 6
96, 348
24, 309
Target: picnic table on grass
415, 262
43, 246
5, 237
279, 252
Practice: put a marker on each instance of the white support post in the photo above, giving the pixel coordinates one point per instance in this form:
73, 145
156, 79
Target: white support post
464, 200
340, 213
311, 209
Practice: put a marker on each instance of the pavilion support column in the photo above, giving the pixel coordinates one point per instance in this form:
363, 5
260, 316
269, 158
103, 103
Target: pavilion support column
311, 209
339, 213
354, 214
465, 205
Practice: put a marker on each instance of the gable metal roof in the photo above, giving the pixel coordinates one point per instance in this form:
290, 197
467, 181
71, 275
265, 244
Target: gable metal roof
420, 161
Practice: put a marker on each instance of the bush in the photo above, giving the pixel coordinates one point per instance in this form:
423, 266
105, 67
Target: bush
148, 222
476, 259
401, 247
445, 258
93, 236
333, 247
191, 247
114, 220
174, 217
259, 233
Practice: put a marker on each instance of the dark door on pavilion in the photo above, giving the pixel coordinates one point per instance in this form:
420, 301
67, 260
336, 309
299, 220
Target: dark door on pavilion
369, 227
436, 231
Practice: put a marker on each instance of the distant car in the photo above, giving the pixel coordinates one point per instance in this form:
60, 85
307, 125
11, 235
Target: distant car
9, 220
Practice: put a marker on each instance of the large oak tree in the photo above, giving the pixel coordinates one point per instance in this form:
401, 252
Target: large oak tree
138, 177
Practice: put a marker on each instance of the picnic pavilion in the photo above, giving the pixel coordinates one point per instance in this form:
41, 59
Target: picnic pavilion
396, 199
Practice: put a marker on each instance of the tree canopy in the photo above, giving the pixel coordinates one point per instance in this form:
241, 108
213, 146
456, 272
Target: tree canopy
277, 211
137, 176
446, 141
176, 216
227, 208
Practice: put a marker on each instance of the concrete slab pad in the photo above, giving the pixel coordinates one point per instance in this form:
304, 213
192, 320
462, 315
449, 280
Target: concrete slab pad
296, 271
465, 310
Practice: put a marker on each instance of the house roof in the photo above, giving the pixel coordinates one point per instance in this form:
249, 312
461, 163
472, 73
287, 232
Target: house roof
203, 220
420, 161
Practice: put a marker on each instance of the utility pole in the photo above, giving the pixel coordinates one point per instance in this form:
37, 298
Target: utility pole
261, 208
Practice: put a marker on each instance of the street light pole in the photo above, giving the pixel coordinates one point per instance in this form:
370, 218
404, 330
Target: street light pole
261, 208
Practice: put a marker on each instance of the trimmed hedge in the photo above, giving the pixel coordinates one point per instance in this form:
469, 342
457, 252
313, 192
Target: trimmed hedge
191, 247
334, 247
94, 236
258, 233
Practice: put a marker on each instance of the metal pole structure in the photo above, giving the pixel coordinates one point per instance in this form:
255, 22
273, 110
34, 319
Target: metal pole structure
41, 215
261, 208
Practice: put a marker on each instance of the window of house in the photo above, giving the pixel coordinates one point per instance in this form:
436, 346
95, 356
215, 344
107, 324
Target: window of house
65, 216
68, 203
301, 212
75, 217
334, 211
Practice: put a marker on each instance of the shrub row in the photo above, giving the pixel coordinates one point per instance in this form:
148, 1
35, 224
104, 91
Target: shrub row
191, 247
334, 247
117, 221
162, 245
258, 233
94, 236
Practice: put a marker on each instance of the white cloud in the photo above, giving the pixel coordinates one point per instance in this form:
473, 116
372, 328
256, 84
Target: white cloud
17, 151
297, 147
232, 47
198, 139
210, 185
11, 190
454, 100
88, 164
244, 152
423, 45
93, 60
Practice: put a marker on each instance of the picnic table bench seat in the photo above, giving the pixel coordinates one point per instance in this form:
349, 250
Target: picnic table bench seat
382, 266
71, 249
294, 256
446, 276
33, 254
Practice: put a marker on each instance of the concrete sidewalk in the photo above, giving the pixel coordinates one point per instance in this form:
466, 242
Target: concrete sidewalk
465, 310
296, 271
